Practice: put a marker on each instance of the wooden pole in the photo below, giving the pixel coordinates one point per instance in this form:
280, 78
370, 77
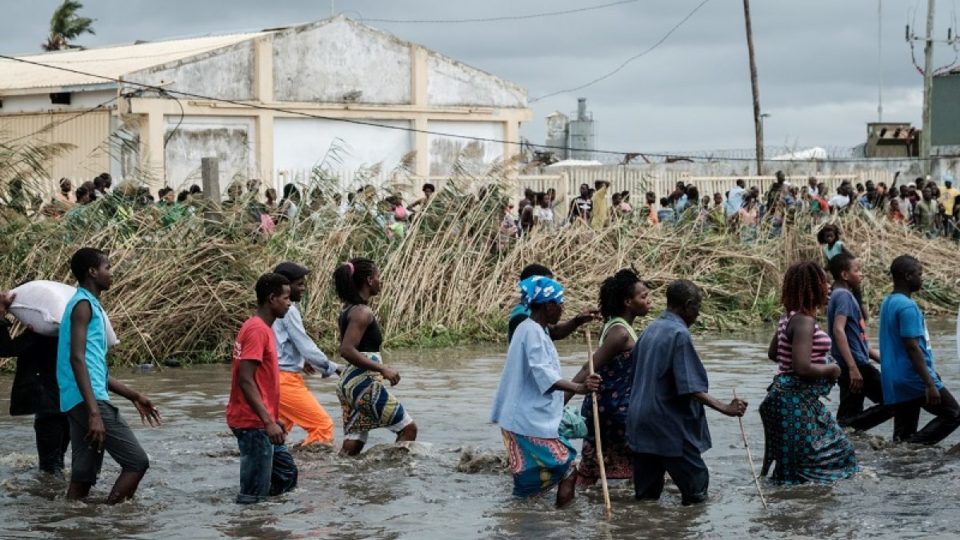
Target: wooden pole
596, 435
755, 86
756, 479
927, 88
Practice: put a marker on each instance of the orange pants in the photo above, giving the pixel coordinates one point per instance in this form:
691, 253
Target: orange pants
299, 407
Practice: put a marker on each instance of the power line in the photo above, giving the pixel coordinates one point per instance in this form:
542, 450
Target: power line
256, 106
626, 62
502, 18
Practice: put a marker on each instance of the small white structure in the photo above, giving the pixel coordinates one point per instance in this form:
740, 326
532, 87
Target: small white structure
261, 102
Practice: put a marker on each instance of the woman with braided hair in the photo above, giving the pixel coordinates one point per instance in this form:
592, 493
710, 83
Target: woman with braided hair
801, 436
623, 298
366, 402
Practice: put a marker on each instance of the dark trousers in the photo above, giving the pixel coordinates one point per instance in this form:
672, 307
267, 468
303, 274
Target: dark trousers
266, 469
907, 415
53, 438
851, 413
688, 472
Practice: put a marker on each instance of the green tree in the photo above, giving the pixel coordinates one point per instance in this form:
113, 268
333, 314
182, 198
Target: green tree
66, 25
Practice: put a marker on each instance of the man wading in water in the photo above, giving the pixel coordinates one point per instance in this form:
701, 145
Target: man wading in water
298, 354
266, 466
95, 424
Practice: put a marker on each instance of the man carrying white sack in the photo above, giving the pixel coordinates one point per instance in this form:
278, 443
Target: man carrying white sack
35, 390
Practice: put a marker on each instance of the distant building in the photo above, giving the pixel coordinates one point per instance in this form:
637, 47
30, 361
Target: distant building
572, 139
945, 115
891, 140
318, 75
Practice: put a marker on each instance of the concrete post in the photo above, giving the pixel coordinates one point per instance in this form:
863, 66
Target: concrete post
210, 171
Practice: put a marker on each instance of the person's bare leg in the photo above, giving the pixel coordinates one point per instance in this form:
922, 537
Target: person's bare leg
566, 490
351, 447
125, 487
78, 490
408, 433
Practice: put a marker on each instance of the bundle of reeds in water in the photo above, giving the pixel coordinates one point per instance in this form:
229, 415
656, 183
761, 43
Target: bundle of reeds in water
183, 290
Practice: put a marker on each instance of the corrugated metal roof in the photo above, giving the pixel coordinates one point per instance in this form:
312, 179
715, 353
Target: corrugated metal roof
106, 61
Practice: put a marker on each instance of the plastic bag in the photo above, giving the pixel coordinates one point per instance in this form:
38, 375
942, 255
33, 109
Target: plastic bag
40, 305
572, 424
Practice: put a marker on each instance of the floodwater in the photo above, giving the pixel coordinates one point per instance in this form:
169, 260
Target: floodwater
452, 485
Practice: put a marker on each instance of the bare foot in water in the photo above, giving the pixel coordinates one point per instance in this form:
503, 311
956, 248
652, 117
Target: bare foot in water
566, 490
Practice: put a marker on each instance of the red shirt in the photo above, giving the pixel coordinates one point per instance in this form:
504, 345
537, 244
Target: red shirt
255, 343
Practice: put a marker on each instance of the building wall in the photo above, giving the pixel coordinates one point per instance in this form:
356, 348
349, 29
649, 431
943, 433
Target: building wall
40, 103
945, 126
225, 73
87, 136
303, 143
324, 62
476, 157
232, 140
450, 83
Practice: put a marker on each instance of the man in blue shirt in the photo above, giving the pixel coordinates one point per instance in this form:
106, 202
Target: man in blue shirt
851, 349
910, 379
298, 354
735, 199
666, 426
95, 424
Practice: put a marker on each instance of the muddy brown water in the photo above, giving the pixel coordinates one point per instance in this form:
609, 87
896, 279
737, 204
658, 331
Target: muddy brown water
452, 485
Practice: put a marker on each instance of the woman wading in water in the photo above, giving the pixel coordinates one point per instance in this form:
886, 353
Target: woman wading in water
366, 402
529, 401
623, 298
800, 434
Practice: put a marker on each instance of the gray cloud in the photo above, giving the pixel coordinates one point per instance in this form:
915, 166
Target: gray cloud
817, 59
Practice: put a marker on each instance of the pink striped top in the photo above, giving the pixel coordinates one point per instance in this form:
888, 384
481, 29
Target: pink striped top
818, 354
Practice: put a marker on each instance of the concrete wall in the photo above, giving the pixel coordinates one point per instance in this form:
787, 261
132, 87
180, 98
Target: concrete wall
450, 83
225, 73
475, 156
325, 61
302, 143
232, 140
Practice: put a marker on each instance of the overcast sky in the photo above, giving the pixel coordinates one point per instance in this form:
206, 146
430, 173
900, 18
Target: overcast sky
817, 59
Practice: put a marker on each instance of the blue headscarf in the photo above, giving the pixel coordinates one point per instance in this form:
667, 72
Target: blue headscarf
540, 290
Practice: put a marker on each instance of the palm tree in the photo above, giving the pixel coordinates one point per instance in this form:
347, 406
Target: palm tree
66, 25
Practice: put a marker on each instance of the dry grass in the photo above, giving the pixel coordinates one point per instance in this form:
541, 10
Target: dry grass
183, 291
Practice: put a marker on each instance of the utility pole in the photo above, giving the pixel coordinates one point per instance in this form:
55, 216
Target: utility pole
757, 121
880, 60
927, 88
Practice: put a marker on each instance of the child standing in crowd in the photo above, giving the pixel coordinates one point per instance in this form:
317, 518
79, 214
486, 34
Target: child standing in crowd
266, 466
529, 402
666, 425
666, 214
829, 237
910, 378
366, 402
543, 212
298, 354
814, 449
851, 349
84, 381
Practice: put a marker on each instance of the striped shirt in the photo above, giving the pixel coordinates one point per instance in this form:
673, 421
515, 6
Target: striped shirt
818, 353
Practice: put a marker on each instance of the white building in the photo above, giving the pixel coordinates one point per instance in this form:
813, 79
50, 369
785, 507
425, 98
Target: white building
290, 95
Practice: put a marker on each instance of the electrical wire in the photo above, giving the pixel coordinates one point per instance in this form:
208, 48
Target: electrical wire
354, 121
626, 62
502, 18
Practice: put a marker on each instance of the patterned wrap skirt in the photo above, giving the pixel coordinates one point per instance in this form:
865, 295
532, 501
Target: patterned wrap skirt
801, 436
366, 402
537, 464
613, 400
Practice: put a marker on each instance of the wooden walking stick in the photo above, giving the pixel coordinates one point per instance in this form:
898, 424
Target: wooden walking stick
596, 435
756, 479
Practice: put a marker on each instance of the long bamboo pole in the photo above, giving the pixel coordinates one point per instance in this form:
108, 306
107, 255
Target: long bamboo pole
596, 435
